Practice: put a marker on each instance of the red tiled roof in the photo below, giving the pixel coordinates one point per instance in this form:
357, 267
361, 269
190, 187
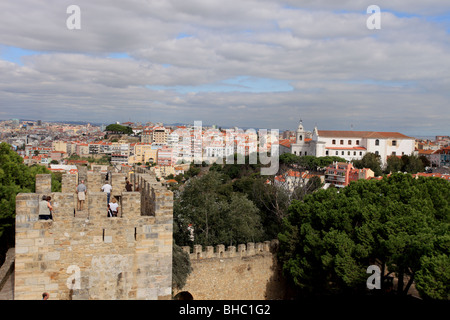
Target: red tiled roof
362, 134
285, 142
426, 151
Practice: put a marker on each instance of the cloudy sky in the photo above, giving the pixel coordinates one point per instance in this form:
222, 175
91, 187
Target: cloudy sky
245, 63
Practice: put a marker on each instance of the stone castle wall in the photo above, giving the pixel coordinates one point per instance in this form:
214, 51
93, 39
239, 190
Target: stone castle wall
85, 254
245, 272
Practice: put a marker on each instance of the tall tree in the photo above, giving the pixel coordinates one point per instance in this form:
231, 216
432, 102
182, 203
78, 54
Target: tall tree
218, 214
399, 223
394, 164
371, 161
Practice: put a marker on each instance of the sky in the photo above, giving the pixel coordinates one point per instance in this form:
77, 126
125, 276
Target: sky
245, 63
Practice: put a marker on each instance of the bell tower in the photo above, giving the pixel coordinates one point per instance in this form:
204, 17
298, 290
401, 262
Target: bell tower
301, 134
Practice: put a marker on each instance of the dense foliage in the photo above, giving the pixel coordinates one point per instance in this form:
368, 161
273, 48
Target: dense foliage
15, 177
311, 163
117, 128
410, 164
399, 223
181, 267
232, 203
217, 213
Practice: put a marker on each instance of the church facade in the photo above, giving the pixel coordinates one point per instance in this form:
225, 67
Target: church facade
351, 145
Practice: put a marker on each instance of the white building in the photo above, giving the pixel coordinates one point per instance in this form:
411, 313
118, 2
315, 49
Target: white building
352, 145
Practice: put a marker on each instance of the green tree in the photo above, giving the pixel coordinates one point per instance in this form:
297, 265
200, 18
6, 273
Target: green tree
425, 161
399, 223
181, 267
117, 128
179, 177
371, 161
15, 177
309, 162
412, 164
394, 164
192, 171
217, 213
432, 280
288, 158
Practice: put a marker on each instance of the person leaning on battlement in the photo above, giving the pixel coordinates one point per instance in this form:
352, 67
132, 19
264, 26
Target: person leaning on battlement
45, 208
113, 208
81, 194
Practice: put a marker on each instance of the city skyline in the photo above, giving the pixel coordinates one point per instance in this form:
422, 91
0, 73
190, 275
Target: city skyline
250, 64
207, 125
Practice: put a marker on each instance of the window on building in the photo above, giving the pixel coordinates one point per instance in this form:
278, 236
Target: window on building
349, 142
394, 153
337, 152
342, 152
306, 153
377, 153
377, 142
295, 152
342, 141
348, 153
354, 153
357, 142
394, 142
326, 152
360, 153
299, 153
333, 142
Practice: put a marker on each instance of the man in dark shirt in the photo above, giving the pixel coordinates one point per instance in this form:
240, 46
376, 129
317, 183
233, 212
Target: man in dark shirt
129, 186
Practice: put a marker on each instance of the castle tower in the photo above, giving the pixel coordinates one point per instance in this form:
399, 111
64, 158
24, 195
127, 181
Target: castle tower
92, 256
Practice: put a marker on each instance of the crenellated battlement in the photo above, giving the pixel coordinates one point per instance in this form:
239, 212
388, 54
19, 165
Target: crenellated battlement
222, 252
243, 272
125, 257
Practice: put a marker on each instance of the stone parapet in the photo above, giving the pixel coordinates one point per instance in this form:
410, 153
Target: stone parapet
43, 183
222, 252
69, 183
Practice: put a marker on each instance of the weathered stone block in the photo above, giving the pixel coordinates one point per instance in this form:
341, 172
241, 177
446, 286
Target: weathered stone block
43, 183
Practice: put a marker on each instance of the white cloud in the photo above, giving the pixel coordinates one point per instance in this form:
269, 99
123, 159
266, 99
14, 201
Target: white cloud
339, 70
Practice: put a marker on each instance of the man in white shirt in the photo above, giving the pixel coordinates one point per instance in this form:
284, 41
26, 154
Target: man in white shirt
107, 189
113, 208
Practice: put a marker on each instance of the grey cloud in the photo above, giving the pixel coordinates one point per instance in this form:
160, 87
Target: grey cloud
341, 72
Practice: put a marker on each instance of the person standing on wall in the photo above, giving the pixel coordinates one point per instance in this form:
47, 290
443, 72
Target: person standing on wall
128, 186
81, 193
107, 189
